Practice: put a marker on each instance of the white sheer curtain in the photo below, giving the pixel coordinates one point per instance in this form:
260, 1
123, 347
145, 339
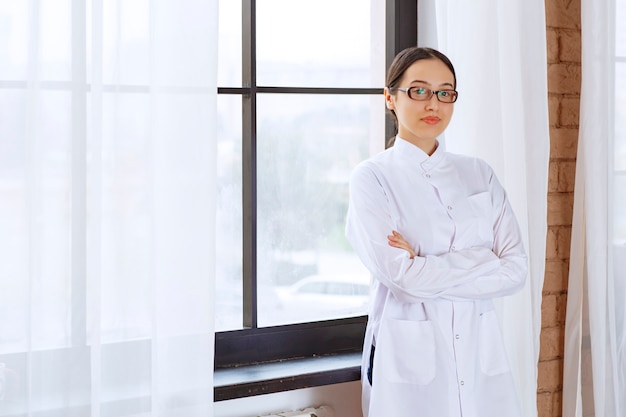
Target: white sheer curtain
595, 334
499, 53
107, 130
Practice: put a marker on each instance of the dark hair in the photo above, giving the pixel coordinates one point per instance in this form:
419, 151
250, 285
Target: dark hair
403, 60
408, 57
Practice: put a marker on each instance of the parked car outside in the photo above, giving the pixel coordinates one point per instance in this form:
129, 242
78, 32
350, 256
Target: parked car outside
323, 297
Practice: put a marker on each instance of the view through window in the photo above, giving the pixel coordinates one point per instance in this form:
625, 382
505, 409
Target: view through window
318, 78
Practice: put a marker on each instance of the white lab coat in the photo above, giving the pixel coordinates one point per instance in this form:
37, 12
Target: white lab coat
438, 348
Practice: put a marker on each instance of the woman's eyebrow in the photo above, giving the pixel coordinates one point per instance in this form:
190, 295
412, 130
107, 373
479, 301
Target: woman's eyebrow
427, 83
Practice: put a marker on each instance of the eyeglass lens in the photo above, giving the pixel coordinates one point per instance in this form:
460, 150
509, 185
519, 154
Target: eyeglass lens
423, 93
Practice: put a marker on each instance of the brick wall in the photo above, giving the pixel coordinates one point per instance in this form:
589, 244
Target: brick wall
563, 45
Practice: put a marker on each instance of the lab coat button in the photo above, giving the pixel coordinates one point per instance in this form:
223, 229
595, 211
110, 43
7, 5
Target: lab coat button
462, 382
453, 248
427, 175
457, 337
449, 208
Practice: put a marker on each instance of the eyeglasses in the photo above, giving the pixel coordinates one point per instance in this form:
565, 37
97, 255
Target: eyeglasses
424, 94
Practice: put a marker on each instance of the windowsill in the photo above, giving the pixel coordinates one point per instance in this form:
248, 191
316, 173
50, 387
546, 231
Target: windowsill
247, 381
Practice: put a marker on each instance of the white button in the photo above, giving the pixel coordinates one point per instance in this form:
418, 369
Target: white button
457, 337
462, 382
427, 175
449, 207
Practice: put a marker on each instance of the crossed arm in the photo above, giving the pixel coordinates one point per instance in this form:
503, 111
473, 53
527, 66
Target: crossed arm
397, 241
476, 272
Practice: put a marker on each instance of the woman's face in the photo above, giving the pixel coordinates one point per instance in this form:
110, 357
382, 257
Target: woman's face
421, 122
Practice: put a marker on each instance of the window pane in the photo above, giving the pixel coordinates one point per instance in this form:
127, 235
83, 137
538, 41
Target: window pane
620, 122
620, 28
229, 44
325, 43
123, 196
307, 147
228, 310
619, 209
55, 40
619, 197
126, 42
14, 24
25, 291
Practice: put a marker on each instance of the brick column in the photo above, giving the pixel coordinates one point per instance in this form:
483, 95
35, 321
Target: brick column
564, 76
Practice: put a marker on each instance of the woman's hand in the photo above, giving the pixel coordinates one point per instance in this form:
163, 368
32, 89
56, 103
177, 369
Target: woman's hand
397, 241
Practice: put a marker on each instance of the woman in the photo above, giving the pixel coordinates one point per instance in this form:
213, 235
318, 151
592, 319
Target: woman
437, 233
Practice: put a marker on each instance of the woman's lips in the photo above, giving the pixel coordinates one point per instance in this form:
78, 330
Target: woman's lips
431, 120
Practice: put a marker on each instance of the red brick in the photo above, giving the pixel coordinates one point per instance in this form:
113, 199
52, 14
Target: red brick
564, 78
552, 239
552, 45
553, 176
544, 404
564, 236
557, 404
563, 13
569, 45
566, 171
549, 314
554, 103
555, 279
560, 209
563, 143
558, 243
569, 112
562, 308
550, 375
552, 339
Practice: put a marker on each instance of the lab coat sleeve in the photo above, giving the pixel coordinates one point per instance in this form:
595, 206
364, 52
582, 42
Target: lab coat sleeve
369, 222
508, 245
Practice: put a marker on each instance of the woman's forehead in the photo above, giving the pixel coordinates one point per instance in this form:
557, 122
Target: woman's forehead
429, 71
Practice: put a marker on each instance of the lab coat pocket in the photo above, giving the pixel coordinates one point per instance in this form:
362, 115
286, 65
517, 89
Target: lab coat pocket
405, 352
474, 217
493, 359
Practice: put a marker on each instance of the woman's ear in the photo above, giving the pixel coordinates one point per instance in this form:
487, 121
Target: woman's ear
389, 102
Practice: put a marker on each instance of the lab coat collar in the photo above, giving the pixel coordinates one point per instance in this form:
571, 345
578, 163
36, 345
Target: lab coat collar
415, 154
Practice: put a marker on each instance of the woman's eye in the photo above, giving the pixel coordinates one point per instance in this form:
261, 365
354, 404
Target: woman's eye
420, 91
444, 94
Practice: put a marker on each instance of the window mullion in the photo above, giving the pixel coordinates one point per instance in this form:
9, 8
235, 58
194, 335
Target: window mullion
249, 164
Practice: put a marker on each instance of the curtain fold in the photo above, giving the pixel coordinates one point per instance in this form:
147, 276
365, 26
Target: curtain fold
107, 211
594, 359
499, 53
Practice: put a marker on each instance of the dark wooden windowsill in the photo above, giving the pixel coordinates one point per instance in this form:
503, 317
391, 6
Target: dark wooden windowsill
250, 380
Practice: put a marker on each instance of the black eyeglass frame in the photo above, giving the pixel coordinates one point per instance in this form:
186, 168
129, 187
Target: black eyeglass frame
454, 93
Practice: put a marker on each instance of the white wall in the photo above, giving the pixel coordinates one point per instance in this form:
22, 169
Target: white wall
345, 400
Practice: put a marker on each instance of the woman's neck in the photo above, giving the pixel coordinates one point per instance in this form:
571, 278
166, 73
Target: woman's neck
429, 146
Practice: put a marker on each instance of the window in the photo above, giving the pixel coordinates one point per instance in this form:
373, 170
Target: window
105, 135
299, 105
617, 196
619, 162
310, 114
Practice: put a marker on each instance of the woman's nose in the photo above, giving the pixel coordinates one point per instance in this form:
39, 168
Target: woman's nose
432, 103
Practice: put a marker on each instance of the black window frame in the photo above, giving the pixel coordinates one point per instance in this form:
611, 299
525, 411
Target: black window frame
252, 345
